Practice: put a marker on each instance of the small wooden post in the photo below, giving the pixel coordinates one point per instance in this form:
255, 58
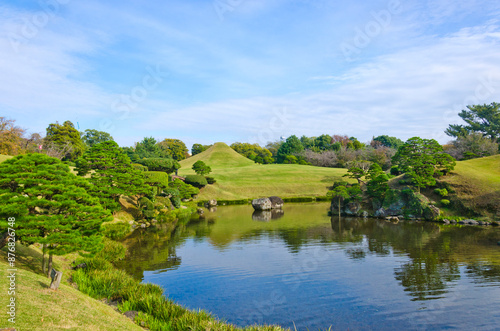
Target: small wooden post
56, 279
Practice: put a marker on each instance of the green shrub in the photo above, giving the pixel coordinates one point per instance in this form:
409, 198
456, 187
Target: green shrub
160, 164
445, 202
196, 180
395, 170
115, 231
112, 251
139, 167
186, 191
442, 192
146, 204
156, 178
176, 201
210, 180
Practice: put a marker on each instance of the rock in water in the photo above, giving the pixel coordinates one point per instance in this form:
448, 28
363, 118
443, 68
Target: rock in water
261, 204
276, 202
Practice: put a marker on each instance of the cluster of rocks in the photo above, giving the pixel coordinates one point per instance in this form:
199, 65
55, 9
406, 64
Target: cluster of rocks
467, 222
267, 203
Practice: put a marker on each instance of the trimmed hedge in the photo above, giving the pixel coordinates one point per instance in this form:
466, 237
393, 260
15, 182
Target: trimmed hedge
196, 180
139, 167
156, 178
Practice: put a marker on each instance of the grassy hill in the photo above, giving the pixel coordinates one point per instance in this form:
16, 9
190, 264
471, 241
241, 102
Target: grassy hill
477, 184
240, 178
39, 308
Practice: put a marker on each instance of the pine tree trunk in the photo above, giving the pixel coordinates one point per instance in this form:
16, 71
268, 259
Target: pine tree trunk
50, 264
44, 248
4, 239
339, 209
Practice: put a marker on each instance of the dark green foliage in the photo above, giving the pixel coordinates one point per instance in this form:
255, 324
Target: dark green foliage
65, 137
196, 180
94, 137
210, 180
422, 160
201, 168
145, 203
388, 141
157, 179
167, 165
340, 193
395, 170
139, 167
378, 182
115, 231
50, 204
111, 174
147, 148
176, 201
484, 119
186, 191
175, 148
254, 152
112, 251
291, 146
356, 173
198, 148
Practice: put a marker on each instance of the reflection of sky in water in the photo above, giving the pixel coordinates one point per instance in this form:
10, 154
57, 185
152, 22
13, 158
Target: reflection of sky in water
261, 279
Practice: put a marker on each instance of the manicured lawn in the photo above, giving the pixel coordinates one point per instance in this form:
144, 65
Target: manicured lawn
240, 178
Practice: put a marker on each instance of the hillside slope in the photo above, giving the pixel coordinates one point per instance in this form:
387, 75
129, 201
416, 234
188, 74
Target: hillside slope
477, 184
240, 178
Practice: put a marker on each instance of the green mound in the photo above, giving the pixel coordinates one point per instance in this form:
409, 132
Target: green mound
477, 184
240, 178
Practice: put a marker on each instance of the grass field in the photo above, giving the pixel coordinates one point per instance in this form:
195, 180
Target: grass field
477, 184
240, 178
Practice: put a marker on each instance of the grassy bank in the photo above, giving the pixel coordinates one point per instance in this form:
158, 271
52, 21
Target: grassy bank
39, 308
240, 178
476, 184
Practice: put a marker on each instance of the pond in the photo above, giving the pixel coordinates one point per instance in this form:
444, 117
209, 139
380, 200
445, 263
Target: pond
307, 270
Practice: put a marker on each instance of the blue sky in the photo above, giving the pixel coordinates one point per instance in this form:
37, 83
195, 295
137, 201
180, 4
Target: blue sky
248, 70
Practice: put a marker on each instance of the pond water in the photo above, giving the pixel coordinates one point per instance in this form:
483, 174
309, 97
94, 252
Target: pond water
307, 270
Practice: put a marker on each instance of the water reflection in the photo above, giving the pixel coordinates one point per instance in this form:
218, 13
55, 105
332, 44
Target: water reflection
428, 261
267, 215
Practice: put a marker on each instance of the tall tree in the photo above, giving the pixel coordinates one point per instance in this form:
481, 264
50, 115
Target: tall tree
198, 148
64, 136
11, 137
51, 206
111, 174
484, 119
422, 160
201, 168
92, 137
340, 193
292, 146
175, 147
387, 141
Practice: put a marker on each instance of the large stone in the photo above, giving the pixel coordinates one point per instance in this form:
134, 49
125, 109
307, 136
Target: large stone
352, 209
262, 204
380, 212
431, 213
276, 202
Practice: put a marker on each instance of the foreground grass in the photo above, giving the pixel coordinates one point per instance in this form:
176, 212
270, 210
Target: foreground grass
39, 308
240, 178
